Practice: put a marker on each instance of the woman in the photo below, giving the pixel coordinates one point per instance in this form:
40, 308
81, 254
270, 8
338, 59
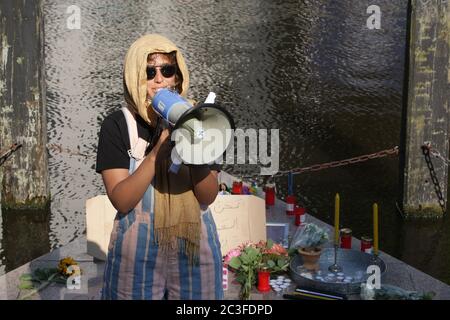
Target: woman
163, 245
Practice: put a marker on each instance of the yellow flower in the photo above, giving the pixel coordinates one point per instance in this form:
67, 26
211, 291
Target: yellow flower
66, 263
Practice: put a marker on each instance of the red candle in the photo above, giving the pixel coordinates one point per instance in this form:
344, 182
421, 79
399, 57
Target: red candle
346, 238
299, 215
290, 205
270, 194
366, 244
237, 187
263, 281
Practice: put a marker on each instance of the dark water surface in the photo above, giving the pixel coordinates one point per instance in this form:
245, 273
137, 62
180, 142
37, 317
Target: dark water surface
309, 68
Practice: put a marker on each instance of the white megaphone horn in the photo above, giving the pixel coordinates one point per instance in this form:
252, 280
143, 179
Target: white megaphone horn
202, 133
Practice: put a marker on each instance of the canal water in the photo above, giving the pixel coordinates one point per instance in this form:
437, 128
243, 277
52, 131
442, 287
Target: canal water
312, 69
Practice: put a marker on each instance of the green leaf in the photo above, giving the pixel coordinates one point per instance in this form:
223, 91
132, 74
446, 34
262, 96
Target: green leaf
44, 273
269, 244
245, 258
252, 253
26, 285
235, 263
270, 263
26, 277
428, 295
292, 251
60, 279
241, 278
41, 274
281, 262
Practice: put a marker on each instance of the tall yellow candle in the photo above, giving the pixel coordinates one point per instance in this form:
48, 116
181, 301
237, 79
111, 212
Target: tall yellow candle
336, 219
375, 228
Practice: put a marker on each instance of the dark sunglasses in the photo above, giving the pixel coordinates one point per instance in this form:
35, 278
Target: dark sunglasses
167, 70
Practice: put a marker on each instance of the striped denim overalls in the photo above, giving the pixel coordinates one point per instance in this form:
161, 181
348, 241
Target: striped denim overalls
135, 267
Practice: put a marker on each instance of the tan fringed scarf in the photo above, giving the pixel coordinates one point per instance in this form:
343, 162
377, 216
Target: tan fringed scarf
177, 211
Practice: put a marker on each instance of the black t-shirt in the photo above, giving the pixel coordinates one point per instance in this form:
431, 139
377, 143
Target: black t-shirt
114, 142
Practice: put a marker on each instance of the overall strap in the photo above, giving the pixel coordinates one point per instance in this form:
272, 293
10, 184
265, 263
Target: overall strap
137, 144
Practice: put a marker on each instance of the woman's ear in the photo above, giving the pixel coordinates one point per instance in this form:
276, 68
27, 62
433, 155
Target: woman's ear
179, 84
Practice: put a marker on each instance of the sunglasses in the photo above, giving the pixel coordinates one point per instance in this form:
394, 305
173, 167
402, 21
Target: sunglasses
167, 70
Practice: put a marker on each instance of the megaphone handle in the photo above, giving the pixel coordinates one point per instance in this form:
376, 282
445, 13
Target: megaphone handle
176, 162
165, 124
174, 168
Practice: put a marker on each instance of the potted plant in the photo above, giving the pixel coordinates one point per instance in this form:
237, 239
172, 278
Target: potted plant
308, 241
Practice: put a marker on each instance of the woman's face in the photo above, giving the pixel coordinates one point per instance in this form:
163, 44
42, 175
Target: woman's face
157, 61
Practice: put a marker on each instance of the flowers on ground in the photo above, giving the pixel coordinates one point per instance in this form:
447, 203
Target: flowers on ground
275, 257
42, 277
64, 264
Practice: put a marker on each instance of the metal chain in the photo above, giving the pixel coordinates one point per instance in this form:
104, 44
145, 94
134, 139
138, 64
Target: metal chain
60, 149
317, 167
426, 148
334, 164
4, 155
437, 154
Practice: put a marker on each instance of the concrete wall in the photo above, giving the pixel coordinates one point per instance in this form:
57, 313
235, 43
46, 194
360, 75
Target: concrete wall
426, 110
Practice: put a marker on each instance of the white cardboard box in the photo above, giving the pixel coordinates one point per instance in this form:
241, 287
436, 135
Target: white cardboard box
100, 215
239, 219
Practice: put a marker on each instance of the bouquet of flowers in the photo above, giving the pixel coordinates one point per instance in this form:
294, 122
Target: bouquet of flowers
40, 278
275, 257
249, 257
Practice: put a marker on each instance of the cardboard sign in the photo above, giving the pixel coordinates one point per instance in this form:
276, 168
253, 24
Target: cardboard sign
100, 215
239, 219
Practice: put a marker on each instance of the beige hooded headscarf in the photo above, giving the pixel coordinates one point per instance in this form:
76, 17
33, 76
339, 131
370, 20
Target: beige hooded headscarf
176, 211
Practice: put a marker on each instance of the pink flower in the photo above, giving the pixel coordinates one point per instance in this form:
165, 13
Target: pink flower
278, 250
232, 253
246, 245
261, 244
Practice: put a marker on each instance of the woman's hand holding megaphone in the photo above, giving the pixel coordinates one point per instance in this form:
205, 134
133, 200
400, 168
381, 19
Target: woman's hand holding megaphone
162, 146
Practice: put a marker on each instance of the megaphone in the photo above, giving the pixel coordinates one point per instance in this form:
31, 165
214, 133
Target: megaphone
201, 133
